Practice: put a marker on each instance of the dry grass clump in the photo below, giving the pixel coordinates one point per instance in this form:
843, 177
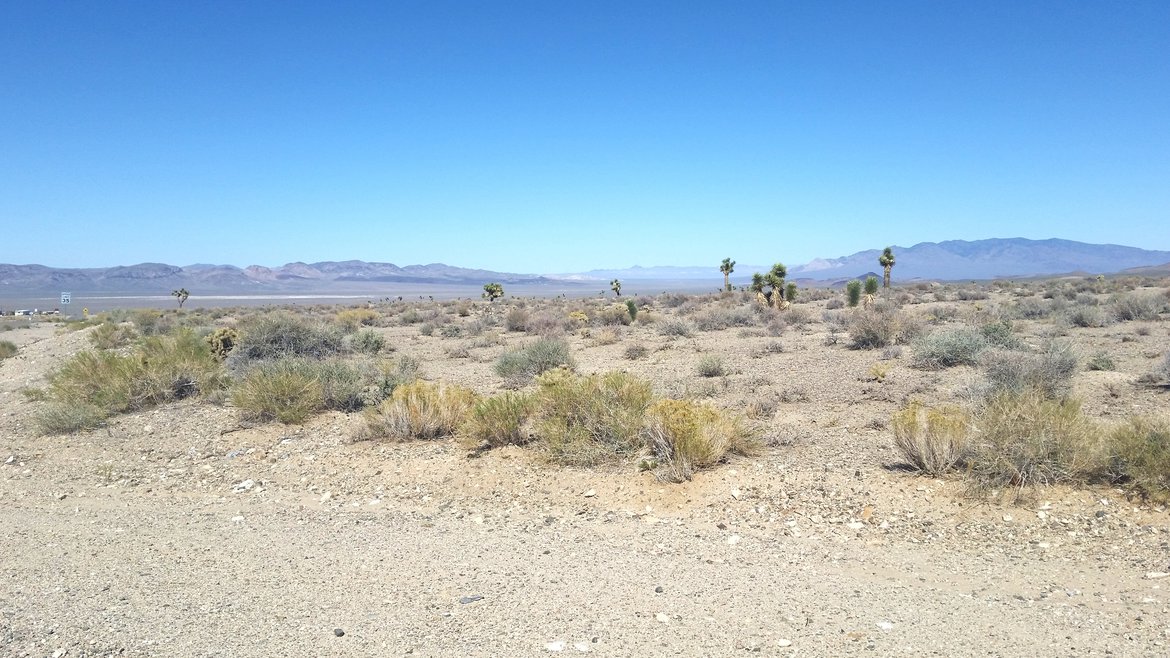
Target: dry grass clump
934, 441
519, 366
719, 318
881, 327
583, 421
420, 410
685, 436
365, 341
112, 335
7, 349
499, 421
99, 384
1026, 438
711, 366
676, 327
1140, 456
946, 349
1087, 316
279, 391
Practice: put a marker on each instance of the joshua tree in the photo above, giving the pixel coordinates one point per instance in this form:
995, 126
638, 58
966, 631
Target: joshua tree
181, 294
727, 268
871, 285
774, 279
886, 260
492, 291
758, 288
616, 287
853, 293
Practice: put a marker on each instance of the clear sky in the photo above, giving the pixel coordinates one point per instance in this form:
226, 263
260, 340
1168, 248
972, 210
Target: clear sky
558, 136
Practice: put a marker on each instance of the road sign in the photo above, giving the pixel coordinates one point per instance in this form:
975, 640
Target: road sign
66, 298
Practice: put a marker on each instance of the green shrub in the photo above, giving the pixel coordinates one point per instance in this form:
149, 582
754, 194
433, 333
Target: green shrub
711, 366
998, 333
685, 436
1140, 456
367, 341
945, 349
618, 314
635, 352
7, 349
499, 420
853, 293
632, 310
420, 410
934, 441
519, 366
279, 390
1049, 371
65, 417
582, 421
352, 319
151, 322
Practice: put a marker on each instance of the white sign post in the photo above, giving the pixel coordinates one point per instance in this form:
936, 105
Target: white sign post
66, 298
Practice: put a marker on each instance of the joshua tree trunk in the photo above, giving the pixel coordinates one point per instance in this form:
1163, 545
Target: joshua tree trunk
727, 281
886, 277
761, 299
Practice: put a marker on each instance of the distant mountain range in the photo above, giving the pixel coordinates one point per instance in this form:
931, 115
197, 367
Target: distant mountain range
325, 277
951, 260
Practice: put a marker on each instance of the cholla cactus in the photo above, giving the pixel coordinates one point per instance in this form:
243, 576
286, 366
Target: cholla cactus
222, 341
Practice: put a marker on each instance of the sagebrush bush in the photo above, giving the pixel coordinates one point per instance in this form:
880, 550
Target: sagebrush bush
685, 436
281, 335
7, 349
151, 322
1139, 453
420, 410
516, 319
676, 327
934, 441
719, 318
1087, 316
519, 366
1100, 360
499, 420
582, 421
711, 366
1050, 370
635, 352
946, 349
880, 327
1135, 306
366, 341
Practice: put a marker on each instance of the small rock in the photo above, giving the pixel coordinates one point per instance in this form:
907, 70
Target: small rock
241, 487
470, 599
147, 429
784, 642
1100, 514
733, 540
1007, 517
559, 645
591, 493
59, 653
735, 494
583, 647
1154, 575
659, 590
10, 459
237, 519
662, 618
338, 632
856, 525
326, 496
885, 625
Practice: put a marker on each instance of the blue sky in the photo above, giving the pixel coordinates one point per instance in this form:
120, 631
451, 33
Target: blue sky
558, 136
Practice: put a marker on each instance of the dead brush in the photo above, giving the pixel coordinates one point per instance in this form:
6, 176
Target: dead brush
934, 441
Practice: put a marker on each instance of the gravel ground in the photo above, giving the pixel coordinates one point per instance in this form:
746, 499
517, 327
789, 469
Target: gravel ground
180, 532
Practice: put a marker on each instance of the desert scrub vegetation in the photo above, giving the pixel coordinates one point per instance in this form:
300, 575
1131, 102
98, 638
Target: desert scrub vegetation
499, 421
112, 335
519, 366
1135, 306
711, 366
7, 349
676, 327
684, 436
933, 441
880, 327
420, 410
948, 348
93, 385
281, 391
1139, 456
587, 420
1049, 370
352, 319
281, 335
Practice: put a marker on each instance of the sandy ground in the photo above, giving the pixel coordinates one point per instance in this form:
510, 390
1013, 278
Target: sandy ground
181, 532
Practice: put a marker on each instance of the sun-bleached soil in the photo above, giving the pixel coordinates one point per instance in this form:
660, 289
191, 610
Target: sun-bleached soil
181, 531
